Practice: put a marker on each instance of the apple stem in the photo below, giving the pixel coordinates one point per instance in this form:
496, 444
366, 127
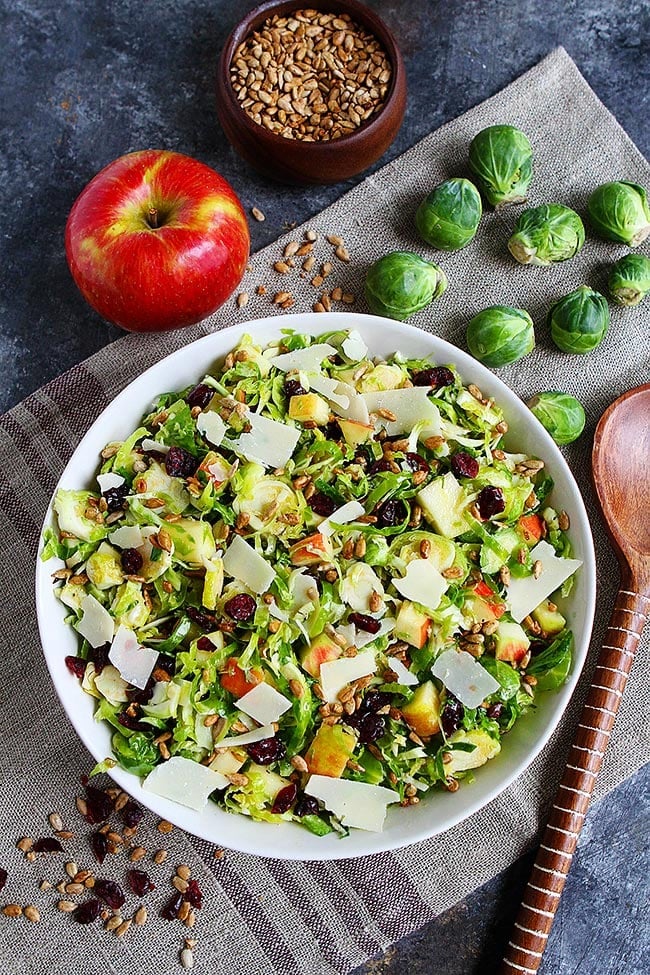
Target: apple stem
153, 218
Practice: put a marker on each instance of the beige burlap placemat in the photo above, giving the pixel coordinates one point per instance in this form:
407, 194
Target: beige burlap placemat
261, 916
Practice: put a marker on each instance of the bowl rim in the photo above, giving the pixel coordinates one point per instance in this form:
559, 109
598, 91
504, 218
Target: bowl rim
359, 843
262, 12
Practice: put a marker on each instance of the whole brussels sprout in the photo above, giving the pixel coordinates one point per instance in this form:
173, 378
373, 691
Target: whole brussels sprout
559, 413
579, 321
629, 279
620, 211
401, 283
547, 234
449, 216
499, 335
501, 158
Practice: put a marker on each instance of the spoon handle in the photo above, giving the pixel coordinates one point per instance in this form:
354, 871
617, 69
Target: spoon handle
542, 894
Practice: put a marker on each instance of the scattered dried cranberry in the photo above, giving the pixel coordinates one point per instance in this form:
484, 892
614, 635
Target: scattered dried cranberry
139, 882
241, 607
205, 620
110, 892
306, 806
322, 505
99, 803
205, 644
332, 430
76, 666
374, 701
378, 466
88, 912
435, 377
267, 751
114, 497
132, 814
172, 907
193, 895
99, 656
131, 721
370, 726
451, 716
285, 798
131, 561
200, 396
3, 877
495, 711
490, 501
364, 622
464, 465
180, 463
416, 463
293, 388
99, 845
390, 513
47, 844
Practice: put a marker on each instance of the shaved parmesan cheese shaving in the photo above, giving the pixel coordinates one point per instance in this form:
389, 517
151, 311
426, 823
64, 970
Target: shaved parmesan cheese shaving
464, 677
346, 513
361, 638
135, 663
525, 594
355, 804
263, 703
302, 589
185, 782
357, 587
268, 442
356, 408
328, 387
349, 633
242, 562
96, 625
304, 360
411, 406
353, 346
335, 674
154, 446
258, 734
220, 472
211, 426
278, 614
128, 536
108, 481
422, 584
404, 675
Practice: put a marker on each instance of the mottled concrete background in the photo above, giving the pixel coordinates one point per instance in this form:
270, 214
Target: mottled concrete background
84, 81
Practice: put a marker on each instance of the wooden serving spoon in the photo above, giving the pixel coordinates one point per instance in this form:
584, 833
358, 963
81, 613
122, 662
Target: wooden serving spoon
621, 474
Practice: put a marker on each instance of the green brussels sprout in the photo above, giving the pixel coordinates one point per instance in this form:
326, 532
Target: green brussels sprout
501, 158
579, 321
401, 283
547, 234
500, 335
559, 413
629, 279
449, 216
620, 211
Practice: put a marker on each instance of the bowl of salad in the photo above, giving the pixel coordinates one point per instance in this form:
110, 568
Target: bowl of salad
310, 597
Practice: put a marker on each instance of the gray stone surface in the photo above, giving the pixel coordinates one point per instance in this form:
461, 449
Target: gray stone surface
84, 81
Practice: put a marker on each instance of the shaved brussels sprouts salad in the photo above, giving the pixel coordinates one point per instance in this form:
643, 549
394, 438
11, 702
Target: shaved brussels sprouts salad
314, 584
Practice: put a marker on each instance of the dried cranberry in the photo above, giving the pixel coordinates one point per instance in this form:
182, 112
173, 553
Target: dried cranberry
142, 695
180, 463
131, 721
322, 505
132, 814
416, 463
379, 466
47, 844
490, 501
306, 806
76, 666
3, 877
293, 388
88, 912
451, 716
131, 561
390, 513
205, 644
99, 803
205, 620
99, 656
464, 465
332, 430
114, 497
495, 711
285, 798
200, 396
374, 701
110, 892
241, 607
193, 895
139, 882
268, 750
435, 377
99, 845
172, 907
364, 622
371, 726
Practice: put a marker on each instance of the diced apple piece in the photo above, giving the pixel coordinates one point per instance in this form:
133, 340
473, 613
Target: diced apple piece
412, 626
320, 651
511, 643
228, 761
309, 408
550, 619
355, 432
309, 551
486, 748
330, 750
422, 713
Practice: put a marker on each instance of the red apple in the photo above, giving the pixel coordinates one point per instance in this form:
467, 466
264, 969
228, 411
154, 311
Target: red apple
157, 240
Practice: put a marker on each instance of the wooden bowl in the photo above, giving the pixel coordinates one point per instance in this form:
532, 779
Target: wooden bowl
295, 161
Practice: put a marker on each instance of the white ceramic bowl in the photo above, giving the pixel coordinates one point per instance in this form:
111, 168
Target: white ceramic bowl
439, 810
